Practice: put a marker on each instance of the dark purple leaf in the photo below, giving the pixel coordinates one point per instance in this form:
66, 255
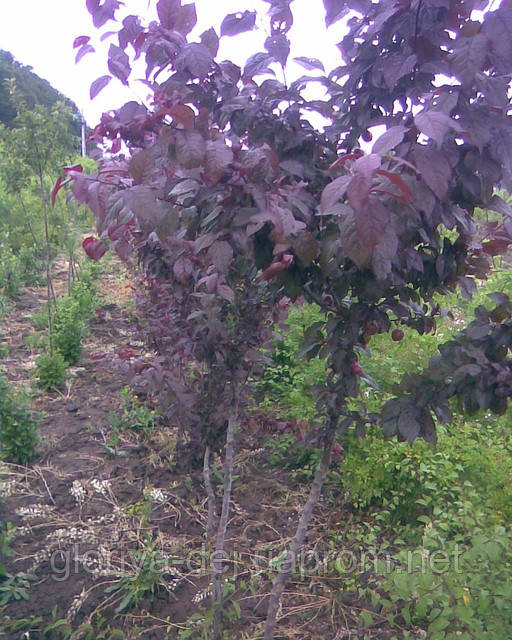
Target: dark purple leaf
98, 85
84, 50
217, 160
435, 124
183, 115
389, 140
196, 59
210, 39
94, 248
166, 10
278, 47
236, 23
358, 192
226, 292
500, 205
333, 192
396, 67
190, 149
123, 249
183, 269
498, 27
185, 19
335, 10
434, 169
366, 166
141, 166
119, 64
130, 31
468, 58
221, 255
105, 12
309, 63
408, 425
80, 41
92, 5
305, 247
257, 64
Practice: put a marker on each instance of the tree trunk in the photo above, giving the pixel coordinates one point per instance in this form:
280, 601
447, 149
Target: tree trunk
210, 494
300, 533
50, 295
27, 221
223, 523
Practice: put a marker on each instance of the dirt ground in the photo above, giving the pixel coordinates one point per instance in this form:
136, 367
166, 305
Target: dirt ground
100, 509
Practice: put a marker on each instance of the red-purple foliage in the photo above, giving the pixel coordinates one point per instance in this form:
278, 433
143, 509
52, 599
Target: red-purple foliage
231, 199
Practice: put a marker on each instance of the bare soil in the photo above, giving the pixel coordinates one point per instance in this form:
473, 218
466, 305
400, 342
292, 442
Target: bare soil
92, 510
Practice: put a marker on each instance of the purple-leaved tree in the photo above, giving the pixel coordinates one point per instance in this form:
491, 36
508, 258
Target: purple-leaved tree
232, 199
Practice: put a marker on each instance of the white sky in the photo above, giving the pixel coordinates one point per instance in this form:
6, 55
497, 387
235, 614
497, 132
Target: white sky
40, 34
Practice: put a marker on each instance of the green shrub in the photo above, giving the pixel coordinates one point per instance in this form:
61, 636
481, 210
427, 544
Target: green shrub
403, 484
50, 371
286, 452
18, 427
31, 266
90, 270
39, 319
286, 383
10, 280
70, 329
453, 589
85, 295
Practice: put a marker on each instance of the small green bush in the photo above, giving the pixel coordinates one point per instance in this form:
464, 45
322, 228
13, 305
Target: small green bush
453, 589
70, 329
405, 484
18, 427
39, 319
90, 270
32, 265
10, 280
50, 371
286, 452
134, 415
286, 383
85, 295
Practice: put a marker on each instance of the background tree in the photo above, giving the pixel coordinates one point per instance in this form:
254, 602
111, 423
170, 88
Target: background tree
39, 142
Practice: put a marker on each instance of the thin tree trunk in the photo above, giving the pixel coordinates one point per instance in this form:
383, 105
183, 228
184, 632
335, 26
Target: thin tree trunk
210, 494
27, 221
70, 274
223, 523
49, 286
300, 533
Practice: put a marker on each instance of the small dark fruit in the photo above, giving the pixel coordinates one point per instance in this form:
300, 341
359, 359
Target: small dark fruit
356, 368
371, 328
397, 335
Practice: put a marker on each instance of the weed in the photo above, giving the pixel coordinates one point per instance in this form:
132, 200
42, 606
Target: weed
15, 587
149, 576
134, 415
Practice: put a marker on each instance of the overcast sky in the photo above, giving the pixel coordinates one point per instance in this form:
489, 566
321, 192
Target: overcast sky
40, 34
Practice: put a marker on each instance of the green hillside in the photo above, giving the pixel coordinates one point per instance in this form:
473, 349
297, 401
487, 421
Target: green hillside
34, 89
